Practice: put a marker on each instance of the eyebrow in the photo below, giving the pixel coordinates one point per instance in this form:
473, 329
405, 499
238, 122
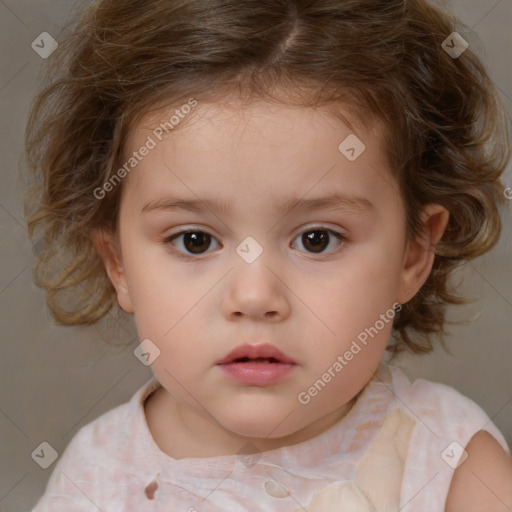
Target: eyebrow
332, 202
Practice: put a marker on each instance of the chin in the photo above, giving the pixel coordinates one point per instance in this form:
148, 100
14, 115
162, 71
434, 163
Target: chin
259, 425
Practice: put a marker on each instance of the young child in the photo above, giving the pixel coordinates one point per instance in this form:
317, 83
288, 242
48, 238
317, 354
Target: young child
272, 188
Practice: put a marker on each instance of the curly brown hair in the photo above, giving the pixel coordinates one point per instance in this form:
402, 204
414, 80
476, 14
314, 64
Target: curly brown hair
446, 131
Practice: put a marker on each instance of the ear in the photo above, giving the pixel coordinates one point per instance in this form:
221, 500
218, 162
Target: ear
420, 252
108, 247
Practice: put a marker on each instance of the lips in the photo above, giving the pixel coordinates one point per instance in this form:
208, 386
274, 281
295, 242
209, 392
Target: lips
256, 365
264, 353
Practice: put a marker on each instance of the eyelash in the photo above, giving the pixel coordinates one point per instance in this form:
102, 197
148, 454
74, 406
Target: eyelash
169, 239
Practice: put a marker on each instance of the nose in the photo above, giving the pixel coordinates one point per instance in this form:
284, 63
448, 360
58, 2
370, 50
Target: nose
256, 291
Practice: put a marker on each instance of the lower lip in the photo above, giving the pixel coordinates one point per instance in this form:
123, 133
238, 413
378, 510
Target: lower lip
257, 374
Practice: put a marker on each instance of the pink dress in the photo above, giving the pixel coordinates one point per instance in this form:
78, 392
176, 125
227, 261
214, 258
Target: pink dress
395, 450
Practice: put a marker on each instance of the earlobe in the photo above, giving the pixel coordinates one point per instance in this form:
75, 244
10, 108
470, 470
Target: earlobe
107, 247
420, 252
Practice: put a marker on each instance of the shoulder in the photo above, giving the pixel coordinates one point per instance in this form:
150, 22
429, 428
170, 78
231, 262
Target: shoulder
483, 482
98, 454
71, 483
441, 407
447, 423
96, 438
108, 434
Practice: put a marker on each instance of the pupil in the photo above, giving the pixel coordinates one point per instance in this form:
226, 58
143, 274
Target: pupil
316, 239
199, 242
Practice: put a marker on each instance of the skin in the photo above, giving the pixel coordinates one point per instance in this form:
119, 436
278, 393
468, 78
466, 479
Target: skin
197, 308
483, 483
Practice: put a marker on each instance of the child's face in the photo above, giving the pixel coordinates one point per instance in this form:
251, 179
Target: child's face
196, 298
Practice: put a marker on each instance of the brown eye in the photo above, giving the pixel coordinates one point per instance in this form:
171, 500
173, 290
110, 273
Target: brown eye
196, 242
317, 240
192, 242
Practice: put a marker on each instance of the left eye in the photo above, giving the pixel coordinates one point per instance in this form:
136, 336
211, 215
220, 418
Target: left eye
317, 239
196, 242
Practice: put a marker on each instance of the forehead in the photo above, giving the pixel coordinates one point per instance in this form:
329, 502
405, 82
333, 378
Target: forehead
241, 113
251, 145
206, 124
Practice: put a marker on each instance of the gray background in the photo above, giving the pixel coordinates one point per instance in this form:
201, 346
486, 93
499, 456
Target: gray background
57, 379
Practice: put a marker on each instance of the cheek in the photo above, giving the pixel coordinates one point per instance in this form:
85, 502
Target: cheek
364, 286
350, 307
169, 311
160, 294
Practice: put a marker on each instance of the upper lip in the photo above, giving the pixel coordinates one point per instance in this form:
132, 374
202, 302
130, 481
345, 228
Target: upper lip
261, 351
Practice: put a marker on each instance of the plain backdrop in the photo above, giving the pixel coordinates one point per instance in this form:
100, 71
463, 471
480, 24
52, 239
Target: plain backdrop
56, 379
